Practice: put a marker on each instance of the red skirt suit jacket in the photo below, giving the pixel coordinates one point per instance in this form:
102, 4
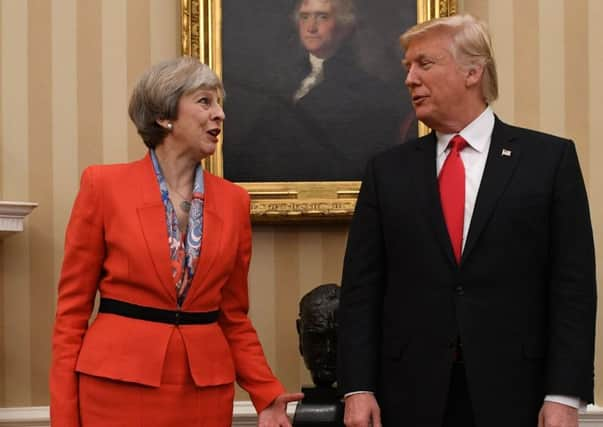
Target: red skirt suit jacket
116, 242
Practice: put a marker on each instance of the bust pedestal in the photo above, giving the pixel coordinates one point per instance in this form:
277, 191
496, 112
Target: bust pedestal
320, 407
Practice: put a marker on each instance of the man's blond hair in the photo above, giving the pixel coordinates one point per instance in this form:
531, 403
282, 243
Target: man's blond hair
471, 46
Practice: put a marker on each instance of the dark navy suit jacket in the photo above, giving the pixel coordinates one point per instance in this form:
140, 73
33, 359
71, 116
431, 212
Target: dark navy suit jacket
522, 299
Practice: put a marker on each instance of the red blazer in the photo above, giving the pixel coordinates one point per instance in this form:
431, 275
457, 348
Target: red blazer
116, 243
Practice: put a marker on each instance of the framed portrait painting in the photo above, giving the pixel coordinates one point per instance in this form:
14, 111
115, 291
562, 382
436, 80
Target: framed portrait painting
314, 88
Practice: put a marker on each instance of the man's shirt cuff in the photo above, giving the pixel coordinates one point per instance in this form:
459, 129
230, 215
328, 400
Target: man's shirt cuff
345, 396
572, 401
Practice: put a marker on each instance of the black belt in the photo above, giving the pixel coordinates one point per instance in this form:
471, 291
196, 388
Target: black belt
173, 317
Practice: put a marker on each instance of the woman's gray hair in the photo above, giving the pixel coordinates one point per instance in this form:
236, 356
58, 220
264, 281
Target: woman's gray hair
471, 46
345, 12
158, 92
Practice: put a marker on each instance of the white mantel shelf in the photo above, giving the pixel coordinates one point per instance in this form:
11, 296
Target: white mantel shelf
12, 216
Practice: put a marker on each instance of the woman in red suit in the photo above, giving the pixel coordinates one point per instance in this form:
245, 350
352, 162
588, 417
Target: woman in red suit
167, 245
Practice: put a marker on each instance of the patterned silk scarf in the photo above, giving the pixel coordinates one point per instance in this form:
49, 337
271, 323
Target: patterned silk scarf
185, 248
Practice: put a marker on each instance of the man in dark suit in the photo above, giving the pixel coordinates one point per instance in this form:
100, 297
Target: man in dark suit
469, 289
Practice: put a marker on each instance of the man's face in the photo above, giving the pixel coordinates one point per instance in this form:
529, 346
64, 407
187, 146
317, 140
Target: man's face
318, 30
318, 344
437, 84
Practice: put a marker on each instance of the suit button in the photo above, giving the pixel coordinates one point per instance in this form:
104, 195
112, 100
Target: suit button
460, 290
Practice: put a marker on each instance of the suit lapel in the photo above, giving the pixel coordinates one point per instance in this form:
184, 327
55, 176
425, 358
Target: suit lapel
212, 237
151, 214
429, 193
502, 159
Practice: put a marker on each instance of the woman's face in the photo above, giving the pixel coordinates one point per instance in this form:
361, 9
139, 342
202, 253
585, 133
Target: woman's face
199, 122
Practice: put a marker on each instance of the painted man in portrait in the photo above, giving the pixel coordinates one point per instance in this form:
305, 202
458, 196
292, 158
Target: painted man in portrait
326, 116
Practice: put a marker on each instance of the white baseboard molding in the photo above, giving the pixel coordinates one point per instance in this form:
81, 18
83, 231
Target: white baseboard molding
244, 416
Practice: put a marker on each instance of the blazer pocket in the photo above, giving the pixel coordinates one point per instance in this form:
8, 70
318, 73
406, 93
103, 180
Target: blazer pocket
209, 355
124, 349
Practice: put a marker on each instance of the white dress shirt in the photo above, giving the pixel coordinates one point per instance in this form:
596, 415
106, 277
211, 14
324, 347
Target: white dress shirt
315, 77
478, 135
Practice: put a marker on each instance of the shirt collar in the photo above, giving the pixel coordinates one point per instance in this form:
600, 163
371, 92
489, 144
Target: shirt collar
477, 133
316, 62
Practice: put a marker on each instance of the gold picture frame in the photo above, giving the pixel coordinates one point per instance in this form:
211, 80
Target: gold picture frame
278, 202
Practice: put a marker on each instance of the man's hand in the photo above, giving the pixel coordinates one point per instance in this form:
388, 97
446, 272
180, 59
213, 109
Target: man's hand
362, 410
275, 415
553, 414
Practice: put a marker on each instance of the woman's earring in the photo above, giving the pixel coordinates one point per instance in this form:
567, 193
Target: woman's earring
170, 126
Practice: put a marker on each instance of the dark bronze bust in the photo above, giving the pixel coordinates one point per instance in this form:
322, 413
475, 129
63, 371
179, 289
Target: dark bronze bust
317, 330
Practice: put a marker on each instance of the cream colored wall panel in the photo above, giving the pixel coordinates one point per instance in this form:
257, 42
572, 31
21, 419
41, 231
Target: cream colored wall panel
552, 66
595, 111
89, 83
40, 189
115, 94
310, 259
2, 36
577, 92
262, 295
287, 251
2, 332
311, 275
262, 290
2, 327
165, 22
334, 239
478, 8
64, 117
500, 20
139, 59
15, 263
16, 345
14, 100
527, 65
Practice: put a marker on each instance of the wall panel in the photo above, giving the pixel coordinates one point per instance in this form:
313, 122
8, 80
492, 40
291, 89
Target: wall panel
594, 110
577, 90
39, 169
15, 185
64, 129
526, 65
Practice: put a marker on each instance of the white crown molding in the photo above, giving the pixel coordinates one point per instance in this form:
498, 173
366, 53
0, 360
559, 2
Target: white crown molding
12, 215
244, 416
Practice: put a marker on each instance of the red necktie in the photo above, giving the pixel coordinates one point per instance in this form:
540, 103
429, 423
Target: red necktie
452, 194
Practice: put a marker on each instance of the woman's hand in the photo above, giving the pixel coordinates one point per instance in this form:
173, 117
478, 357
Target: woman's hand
275, 415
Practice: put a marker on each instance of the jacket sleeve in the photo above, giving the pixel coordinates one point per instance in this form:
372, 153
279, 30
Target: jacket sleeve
83, 258
361, 301
572, 291
252, 370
